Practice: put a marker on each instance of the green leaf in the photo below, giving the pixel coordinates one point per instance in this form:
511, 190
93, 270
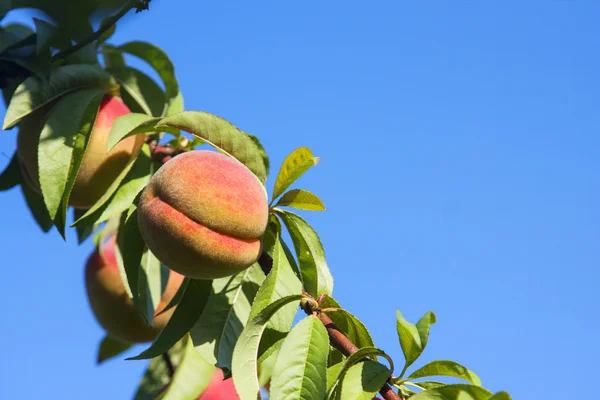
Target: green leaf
176, 105
11, 176
424, 385
355, 330
189, 309
332, 374
84, 231
37, 207
301, 368
301, 199
158, 375
263, 152
128, 125
452, 392
62, 146
445, 368
45, 33
500, 396
124, 189
295, 164
85, 55
152, 280
113, 58
316, 277
354, 359
131, 248
364, 380
148, 96
245, 354
413, 338
192, 376
221, 134
216, 331
111, 347
280, 282
158, 60
34, 93
107, 34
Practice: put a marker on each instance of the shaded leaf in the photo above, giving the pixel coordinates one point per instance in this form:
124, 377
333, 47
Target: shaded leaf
34, 93
62, 145
221, 134
188, 311
316, 277
301, 368
353, 328
445, 368
11, 176
113, 58
216, 331
111, 347
263, 152
38, 208
245, 354
452, 392
301, 199
128, 125
148, 96
295, 164
158, 60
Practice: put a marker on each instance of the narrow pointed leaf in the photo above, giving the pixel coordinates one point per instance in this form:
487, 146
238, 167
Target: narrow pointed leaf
413, 338
500, 396
216, 331
295, 164
192, 376
62, 145
356, 331
354, 359
11, 176
158, 60
263, 152
245, 354
332, 374
149, 98
129, 125
34, 93
111, 347
452, 392
316, 276
302, 200
188, 311
221, 134
446, 368
364, 380
301, 368
36, 205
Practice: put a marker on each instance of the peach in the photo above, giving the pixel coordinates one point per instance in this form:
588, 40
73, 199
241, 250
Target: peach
111, 304
203, 215
219, 389
98, 168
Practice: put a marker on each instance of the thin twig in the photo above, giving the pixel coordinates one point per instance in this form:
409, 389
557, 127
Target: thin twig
108, 23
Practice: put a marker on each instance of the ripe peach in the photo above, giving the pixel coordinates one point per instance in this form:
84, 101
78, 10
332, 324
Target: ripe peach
219, 389
98, 168
110, 303
203, 215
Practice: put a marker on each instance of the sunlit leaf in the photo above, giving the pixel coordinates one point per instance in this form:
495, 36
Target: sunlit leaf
353, 328
316, 276
413, 338
301, 199
245, 354
301, 368
452, 392
221, 134
364, 380
295, 164
445, 368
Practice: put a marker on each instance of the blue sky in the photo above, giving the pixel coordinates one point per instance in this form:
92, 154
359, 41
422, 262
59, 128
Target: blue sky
459, 144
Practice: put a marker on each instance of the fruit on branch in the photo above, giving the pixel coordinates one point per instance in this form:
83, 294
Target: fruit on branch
203, 215
111, 304
98, 168
219, 389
